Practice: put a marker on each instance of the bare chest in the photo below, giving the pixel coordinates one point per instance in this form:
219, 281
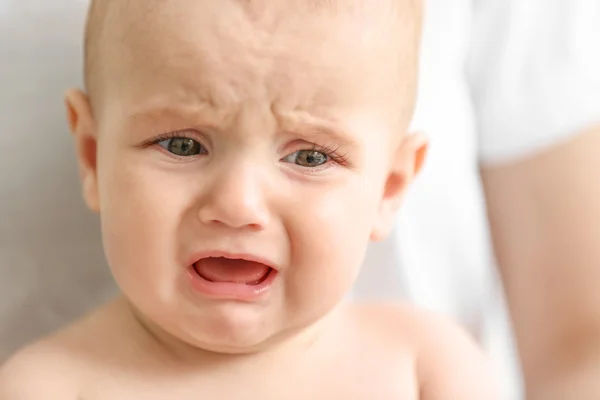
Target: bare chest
348, 382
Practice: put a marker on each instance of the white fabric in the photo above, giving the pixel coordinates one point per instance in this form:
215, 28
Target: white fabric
531, 67
534, 70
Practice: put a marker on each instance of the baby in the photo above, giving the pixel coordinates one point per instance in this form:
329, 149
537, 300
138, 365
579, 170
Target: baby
241, 154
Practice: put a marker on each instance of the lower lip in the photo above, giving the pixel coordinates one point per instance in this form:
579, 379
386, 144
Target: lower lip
231, 291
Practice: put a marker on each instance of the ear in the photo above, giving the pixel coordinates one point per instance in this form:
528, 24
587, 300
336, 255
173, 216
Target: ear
406, 165
81, 124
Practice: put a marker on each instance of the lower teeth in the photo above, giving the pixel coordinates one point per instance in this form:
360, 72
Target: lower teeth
258, 282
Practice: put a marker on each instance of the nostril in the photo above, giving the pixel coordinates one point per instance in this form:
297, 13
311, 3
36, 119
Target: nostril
236, 222
256, 227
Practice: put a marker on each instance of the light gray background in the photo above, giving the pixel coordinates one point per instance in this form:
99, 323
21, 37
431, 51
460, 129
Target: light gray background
51, 263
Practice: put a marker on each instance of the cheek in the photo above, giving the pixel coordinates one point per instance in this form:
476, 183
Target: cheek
141, 210
329, 237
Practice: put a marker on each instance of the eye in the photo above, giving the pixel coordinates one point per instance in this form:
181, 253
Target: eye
308, 158
181, 146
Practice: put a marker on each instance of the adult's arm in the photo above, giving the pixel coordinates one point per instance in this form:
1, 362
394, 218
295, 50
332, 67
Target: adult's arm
545, 219
534, 71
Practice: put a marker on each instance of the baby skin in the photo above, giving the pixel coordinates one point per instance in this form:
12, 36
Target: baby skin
241, 155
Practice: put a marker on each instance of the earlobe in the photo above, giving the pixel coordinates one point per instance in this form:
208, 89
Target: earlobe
81, 125
381, 231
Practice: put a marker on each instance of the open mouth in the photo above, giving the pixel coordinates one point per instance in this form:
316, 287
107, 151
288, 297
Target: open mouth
232, 271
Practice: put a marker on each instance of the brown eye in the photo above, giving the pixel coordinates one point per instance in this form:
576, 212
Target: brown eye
183, 147
308, 158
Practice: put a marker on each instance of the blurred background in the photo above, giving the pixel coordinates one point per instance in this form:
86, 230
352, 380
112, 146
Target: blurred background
51, 262
476, 86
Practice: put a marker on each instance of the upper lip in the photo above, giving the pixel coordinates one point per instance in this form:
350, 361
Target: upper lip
232, 256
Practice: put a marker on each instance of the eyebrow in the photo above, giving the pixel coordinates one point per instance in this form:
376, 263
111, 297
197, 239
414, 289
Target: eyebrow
300, 122
306, 124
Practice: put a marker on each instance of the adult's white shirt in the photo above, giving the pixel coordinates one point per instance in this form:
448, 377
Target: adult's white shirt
501, 80
529, 67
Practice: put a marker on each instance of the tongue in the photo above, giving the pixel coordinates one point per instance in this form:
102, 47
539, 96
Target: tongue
231, 271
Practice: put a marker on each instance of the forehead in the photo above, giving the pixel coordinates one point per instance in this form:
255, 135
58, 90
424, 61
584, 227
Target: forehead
228, 52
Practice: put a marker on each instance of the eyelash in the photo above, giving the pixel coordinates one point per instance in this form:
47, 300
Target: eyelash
331, 151
168, 135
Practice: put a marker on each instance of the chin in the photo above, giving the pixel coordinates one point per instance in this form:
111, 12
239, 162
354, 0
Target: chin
237, 337
233, 329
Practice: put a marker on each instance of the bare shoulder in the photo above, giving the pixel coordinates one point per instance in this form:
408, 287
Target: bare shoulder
449, 364
36, 371
60, 364
404, 321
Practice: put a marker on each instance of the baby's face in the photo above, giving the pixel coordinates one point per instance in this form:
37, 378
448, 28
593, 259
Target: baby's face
227, 131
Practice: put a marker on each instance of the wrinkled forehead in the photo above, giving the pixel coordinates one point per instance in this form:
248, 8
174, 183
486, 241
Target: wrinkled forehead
301, 51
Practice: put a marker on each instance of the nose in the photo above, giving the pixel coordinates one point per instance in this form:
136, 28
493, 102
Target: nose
236, 199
